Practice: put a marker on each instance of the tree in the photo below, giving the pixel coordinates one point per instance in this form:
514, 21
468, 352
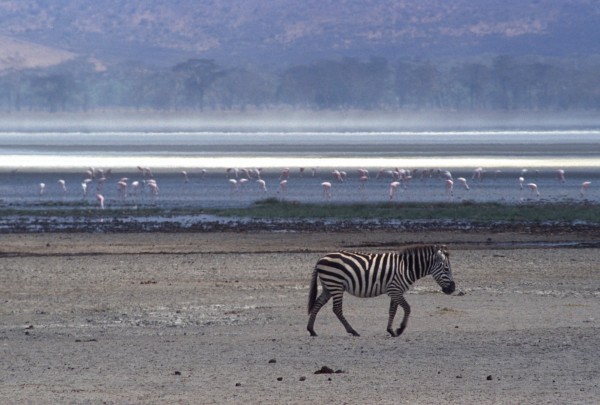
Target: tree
53, 90
195, 76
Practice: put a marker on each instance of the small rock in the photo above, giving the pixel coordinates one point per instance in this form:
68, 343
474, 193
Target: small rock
489, 377
324, 370
177, 373
272, 361
459, 376
238, 384
279, 378
302, 378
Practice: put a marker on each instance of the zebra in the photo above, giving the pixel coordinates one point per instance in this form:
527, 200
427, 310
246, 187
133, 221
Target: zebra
369, 275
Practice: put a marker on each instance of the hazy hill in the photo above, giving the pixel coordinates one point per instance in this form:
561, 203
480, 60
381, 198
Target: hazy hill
279, 32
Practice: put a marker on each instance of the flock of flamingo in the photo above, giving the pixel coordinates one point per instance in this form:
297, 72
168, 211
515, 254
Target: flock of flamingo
101, 176
239, 178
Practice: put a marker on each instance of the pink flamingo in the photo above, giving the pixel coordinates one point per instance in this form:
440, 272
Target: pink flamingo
445, 174
282, 186
84, 186
363, 173
122, 187
477, 174
262, 186
337, 175
285, 174
233, 185
254, 173
521, 181
393, 186
145, 171
449, 187
186, 179
326, 190
385, 173
560, 175
135, 185
63, 185
534, 188
100, 199
463, 182
363, 179
153, 186
584, 186
41, 189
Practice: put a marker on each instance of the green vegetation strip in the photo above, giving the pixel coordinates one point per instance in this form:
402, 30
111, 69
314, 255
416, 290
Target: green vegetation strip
277, 209
272, 208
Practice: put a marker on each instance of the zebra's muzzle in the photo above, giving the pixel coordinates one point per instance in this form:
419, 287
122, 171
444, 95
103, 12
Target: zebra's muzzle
449, 289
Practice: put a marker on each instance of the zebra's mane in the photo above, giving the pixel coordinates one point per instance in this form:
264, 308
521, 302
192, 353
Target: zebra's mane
411, 249
421, 247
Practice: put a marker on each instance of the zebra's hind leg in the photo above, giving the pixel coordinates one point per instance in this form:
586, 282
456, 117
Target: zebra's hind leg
337, 310
393, 308
322, 300
402, 302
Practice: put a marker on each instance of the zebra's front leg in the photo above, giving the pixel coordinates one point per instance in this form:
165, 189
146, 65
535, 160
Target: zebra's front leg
322, 300
337, 310
402, 302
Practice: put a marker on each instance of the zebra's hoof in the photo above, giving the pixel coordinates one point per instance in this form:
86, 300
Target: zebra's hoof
354, 333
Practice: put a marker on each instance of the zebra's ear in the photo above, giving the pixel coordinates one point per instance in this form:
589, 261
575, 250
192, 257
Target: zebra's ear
444, 250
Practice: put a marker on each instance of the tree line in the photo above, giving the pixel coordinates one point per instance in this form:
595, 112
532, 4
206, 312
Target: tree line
498, 83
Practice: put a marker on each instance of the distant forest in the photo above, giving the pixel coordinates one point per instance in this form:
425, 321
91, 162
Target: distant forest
498, 83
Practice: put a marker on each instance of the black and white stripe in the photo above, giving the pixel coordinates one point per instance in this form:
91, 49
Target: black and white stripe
370, 275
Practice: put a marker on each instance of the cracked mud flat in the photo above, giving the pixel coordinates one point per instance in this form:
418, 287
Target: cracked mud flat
220, 318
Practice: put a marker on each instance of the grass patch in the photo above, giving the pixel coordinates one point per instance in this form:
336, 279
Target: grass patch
273, 208
277, 209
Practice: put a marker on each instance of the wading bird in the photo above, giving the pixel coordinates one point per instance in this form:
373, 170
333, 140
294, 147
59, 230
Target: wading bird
534, 188
63, 185
392, 191
100, 199
326, 190
463, 182
449, 187
262, 186
584, 186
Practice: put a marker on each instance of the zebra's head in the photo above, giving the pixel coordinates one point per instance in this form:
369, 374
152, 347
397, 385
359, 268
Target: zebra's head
442, 270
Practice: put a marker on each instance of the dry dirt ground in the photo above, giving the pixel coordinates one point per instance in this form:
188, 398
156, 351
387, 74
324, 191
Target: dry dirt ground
221, 318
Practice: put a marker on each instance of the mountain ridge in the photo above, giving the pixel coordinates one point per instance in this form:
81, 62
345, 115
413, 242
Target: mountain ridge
286, 31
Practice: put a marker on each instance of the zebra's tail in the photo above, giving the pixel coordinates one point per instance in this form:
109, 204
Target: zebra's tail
312, 294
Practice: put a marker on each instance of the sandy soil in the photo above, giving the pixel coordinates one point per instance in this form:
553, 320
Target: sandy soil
221, 317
